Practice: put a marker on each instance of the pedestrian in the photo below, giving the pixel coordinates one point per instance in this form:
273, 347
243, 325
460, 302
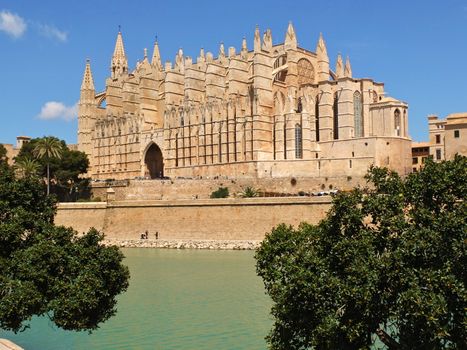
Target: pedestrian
146, 234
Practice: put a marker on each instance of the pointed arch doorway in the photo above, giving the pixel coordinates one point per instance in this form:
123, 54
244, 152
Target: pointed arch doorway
154, 162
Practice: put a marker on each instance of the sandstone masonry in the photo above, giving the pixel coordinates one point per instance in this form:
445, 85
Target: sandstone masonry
274, 111
238, 219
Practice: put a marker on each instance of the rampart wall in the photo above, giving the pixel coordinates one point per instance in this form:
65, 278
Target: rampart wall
212, 219
179, 188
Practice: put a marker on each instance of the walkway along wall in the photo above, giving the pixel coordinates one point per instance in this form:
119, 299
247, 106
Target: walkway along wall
218, 219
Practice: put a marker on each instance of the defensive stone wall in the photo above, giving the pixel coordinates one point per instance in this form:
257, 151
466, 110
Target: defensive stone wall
185, 188
213, 219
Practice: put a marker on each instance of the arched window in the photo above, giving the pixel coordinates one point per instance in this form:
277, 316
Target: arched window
306, 72
397, 122
336, 117
182, 119
317, 117
176, 149
281, 75
358, 115
298, 142
404, 122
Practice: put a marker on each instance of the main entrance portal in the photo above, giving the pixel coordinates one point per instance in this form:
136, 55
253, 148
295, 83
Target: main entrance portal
154, 162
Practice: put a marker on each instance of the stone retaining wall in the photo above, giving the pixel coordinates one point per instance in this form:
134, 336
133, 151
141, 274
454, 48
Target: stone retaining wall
178, 188
247, 219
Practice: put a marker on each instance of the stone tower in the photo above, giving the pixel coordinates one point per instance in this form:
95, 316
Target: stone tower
86, 112
119, 64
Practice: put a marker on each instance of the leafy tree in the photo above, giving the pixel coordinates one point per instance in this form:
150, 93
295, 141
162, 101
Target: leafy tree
3, 154
27, 167
50, 270
221, 192
47, 148
388, 261
66, 172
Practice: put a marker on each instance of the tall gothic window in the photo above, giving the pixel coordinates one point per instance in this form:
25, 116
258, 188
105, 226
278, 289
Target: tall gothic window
306, 72
336, 117
397, 122
285, 137
404, 122
176, 149
298, 142
317, 117
358, 115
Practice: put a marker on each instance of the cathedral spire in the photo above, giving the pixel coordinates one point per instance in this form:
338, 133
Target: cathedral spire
290, 41
88, 81
348, 69
244, 50
257, 42
180, 61
339, 67
119, 61
202, 56
156, 56
323, 59
321, 47
221, 50
267, 40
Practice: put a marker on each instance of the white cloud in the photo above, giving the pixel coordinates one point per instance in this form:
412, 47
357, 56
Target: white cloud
12, 24
52, 32
57, 110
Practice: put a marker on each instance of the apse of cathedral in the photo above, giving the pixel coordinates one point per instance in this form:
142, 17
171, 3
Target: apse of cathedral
274, 111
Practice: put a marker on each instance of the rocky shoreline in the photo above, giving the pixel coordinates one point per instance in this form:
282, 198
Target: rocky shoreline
184, 244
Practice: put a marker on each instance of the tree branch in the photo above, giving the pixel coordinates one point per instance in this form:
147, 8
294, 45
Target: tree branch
387, 339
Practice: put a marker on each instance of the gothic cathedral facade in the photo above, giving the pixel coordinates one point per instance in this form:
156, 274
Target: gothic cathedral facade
272, 112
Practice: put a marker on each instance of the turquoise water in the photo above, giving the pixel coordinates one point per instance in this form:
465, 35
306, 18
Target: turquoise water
178, 299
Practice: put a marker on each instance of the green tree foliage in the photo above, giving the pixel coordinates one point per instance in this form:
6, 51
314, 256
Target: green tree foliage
50, 270
48, 148
387, 262
27, 167
221, 192
66, 172
3, 152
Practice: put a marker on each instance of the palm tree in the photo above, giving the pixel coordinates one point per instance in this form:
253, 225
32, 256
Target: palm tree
27, 167
249, 192
47, 148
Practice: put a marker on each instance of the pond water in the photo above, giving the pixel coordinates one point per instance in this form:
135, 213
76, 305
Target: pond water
177, 299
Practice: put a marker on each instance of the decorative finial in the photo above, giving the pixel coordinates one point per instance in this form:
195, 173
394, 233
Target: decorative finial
145, 52
119, 28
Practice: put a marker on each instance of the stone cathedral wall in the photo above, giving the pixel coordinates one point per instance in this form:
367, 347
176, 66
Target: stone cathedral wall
271, 111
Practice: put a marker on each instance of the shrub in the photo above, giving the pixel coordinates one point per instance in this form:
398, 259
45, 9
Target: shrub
221, 192
249, 192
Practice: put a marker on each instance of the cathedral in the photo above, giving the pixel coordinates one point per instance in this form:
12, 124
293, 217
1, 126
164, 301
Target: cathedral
274, 111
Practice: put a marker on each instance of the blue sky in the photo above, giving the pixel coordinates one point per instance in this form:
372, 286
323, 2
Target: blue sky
417, 48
